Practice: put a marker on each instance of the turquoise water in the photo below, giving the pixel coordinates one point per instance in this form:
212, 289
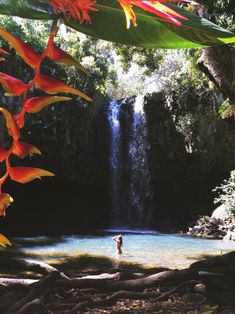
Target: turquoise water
148, 249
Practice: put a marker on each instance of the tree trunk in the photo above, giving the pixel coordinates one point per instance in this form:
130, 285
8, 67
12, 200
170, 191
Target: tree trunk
219, 65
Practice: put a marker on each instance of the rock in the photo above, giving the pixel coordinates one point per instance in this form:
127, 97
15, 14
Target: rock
229, 236
221, 225
222, 212
200, 288
193, 298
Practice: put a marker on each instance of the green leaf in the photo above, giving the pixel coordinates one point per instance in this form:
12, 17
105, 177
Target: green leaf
228, 112
109, 24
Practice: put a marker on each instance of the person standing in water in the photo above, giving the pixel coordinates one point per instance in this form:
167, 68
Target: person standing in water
118, 240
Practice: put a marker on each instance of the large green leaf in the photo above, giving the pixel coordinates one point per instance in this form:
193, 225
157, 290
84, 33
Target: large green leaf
109, 24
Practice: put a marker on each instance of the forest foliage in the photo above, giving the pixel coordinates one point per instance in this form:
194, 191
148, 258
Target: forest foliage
97, 56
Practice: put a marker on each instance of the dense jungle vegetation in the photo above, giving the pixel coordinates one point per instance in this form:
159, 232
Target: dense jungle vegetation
198, 91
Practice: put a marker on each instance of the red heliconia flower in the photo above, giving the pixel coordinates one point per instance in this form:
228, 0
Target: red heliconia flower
26, 52
19, 118
4, 154
14, 86
4, 241
155, 7
11, 124
54, 86
59, 55
2, 51
22, 149
78, 9
27, 174
5, 201
35, 104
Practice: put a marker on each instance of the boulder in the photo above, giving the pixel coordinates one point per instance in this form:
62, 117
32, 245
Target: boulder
222, 212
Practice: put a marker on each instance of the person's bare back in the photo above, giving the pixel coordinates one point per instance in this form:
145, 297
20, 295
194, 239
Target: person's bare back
118, 240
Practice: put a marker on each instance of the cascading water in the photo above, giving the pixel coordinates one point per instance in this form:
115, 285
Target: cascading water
130, 177
139, 188
115, 163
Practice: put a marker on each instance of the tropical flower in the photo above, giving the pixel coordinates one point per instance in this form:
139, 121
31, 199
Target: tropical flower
13, 129
53, 86
12, 85
5, 201
36, 104
22, 149
27, 174
3, 154
4, 241
155, 7
78, 9
2, 51
31, 57
59, 55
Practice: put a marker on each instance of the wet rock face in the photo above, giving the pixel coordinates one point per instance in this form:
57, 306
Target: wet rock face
190, 151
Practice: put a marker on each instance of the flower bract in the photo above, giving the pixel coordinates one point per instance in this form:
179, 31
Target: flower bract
54, 86
27, 174
26, 52
78, 9
12, 85
4, 241
11, 124
22, 149
5, 201
155, 7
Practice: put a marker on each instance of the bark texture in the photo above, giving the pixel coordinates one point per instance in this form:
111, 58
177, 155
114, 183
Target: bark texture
218, 63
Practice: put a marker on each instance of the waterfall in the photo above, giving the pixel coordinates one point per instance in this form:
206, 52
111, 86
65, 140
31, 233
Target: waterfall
114, 160
139, 187
130, 177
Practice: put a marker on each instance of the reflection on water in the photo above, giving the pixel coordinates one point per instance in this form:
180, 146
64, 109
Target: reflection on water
152, 249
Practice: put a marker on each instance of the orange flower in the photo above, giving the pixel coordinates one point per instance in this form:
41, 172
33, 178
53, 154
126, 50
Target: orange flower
19, 118
4, 241
27, 174
22, 149
11, 124
3, 52
35, 104
53, 86
155, 7
5, 201
31, 57
14, 86
3, 154
78, 9
59, 55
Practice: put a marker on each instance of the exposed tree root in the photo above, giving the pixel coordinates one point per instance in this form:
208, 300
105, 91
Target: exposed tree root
205, 281
132, 284
29, 265
35, 306
37, 290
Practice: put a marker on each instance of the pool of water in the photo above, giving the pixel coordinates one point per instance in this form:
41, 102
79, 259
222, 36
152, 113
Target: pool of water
148, 249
